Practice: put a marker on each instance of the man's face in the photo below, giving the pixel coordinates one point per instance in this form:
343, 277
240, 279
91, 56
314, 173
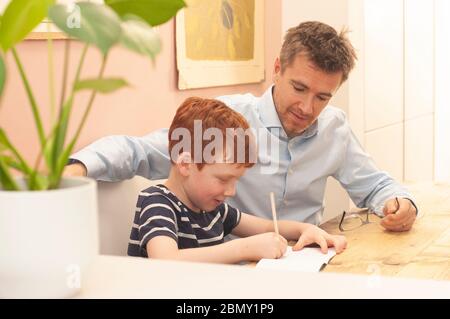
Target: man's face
301, 92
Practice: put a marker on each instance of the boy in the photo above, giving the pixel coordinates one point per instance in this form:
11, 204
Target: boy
187, 218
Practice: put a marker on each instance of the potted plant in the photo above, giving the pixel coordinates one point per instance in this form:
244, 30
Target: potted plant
48, 224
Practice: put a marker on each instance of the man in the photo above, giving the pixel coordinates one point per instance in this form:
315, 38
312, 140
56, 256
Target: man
313, 141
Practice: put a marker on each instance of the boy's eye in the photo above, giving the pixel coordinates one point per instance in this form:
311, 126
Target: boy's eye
223, 180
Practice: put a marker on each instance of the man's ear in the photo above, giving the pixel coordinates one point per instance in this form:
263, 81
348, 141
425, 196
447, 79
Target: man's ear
276, 69
183, 163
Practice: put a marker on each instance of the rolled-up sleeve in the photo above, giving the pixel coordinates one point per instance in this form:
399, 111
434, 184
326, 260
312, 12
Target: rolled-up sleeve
365, 183
120, 157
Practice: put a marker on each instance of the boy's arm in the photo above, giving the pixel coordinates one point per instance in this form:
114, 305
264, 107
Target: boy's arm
303, 233
250, 225
266, 245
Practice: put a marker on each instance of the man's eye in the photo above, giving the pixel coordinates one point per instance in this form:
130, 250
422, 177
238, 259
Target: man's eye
322, 98
299, 89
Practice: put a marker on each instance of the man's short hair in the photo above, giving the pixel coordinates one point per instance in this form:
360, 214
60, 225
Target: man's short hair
213, 114
328, 50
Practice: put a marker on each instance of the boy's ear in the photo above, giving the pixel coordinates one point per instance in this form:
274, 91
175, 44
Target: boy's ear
183, 163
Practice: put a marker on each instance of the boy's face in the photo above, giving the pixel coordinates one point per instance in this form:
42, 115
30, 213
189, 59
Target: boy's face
209, 187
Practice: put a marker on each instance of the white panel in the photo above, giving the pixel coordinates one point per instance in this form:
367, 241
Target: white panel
356, 78
386, 147
384, 63
419, 57
334, 13
442, 115
419, 149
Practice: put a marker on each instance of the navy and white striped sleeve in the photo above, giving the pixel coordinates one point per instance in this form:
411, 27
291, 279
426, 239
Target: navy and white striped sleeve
230, 218
157, 218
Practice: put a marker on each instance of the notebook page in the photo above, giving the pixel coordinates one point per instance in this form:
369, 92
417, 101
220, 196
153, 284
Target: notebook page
307, 260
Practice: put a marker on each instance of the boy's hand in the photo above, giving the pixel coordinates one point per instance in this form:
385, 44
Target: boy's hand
314, 234
266, 245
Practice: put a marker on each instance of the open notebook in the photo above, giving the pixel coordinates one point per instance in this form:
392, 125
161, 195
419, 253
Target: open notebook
307, 259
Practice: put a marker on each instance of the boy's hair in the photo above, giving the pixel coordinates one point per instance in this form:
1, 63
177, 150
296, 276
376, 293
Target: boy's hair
213, 114
328, 50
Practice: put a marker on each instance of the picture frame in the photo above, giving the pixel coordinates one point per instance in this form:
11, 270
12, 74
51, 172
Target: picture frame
216, 52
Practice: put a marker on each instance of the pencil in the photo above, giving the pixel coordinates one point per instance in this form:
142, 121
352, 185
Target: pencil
274, 213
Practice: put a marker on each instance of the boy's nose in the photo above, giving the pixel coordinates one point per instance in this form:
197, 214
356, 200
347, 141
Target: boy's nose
230, 191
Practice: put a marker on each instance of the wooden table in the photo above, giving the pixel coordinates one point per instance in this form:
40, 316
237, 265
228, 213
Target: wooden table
423, 252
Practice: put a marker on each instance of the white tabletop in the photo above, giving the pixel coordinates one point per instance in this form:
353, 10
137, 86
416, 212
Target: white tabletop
127, 277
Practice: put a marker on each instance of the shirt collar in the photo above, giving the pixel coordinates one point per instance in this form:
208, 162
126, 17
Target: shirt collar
269, 116
267, 111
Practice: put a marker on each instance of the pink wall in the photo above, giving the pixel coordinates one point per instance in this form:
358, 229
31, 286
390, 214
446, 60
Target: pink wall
149, 104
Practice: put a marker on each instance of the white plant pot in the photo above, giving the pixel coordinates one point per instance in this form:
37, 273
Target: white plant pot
47, 239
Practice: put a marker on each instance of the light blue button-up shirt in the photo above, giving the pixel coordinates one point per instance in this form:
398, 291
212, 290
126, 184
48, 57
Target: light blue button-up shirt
295, 169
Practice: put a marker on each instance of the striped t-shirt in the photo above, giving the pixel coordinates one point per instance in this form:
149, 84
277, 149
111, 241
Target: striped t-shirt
160, 213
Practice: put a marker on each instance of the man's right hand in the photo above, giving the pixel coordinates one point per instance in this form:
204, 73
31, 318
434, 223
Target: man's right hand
76, 169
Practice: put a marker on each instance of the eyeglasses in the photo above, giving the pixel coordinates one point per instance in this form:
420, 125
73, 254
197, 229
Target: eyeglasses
351, 221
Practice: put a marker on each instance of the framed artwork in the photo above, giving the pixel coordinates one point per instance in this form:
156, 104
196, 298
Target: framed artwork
220, 42
46, 27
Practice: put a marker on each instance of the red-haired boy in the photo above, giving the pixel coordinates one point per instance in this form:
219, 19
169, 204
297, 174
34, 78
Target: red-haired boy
187, 217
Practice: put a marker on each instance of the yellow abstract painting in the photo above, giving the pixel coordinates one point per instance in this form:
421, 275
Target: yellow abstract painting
220, 42
220, 29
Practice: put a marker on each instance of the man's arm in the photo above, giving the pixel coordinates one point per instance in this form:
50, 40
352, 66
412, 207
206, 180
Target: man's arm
116, 158
75, 168
303, 233
372, 188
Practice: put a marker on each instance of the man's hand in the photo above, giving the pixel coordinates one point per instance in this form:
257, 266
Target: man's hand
76, 169
398, 216
314, 234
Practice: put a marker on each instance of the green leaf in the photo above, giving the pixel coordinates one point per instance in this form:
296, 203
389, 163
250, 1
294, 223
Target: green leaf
105, 85
140, 37
9, 161
6, 144
48, 150
154, 12
55, 177
40, 182
7, 181
2, 74
59, 135
90, 22
20, 18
